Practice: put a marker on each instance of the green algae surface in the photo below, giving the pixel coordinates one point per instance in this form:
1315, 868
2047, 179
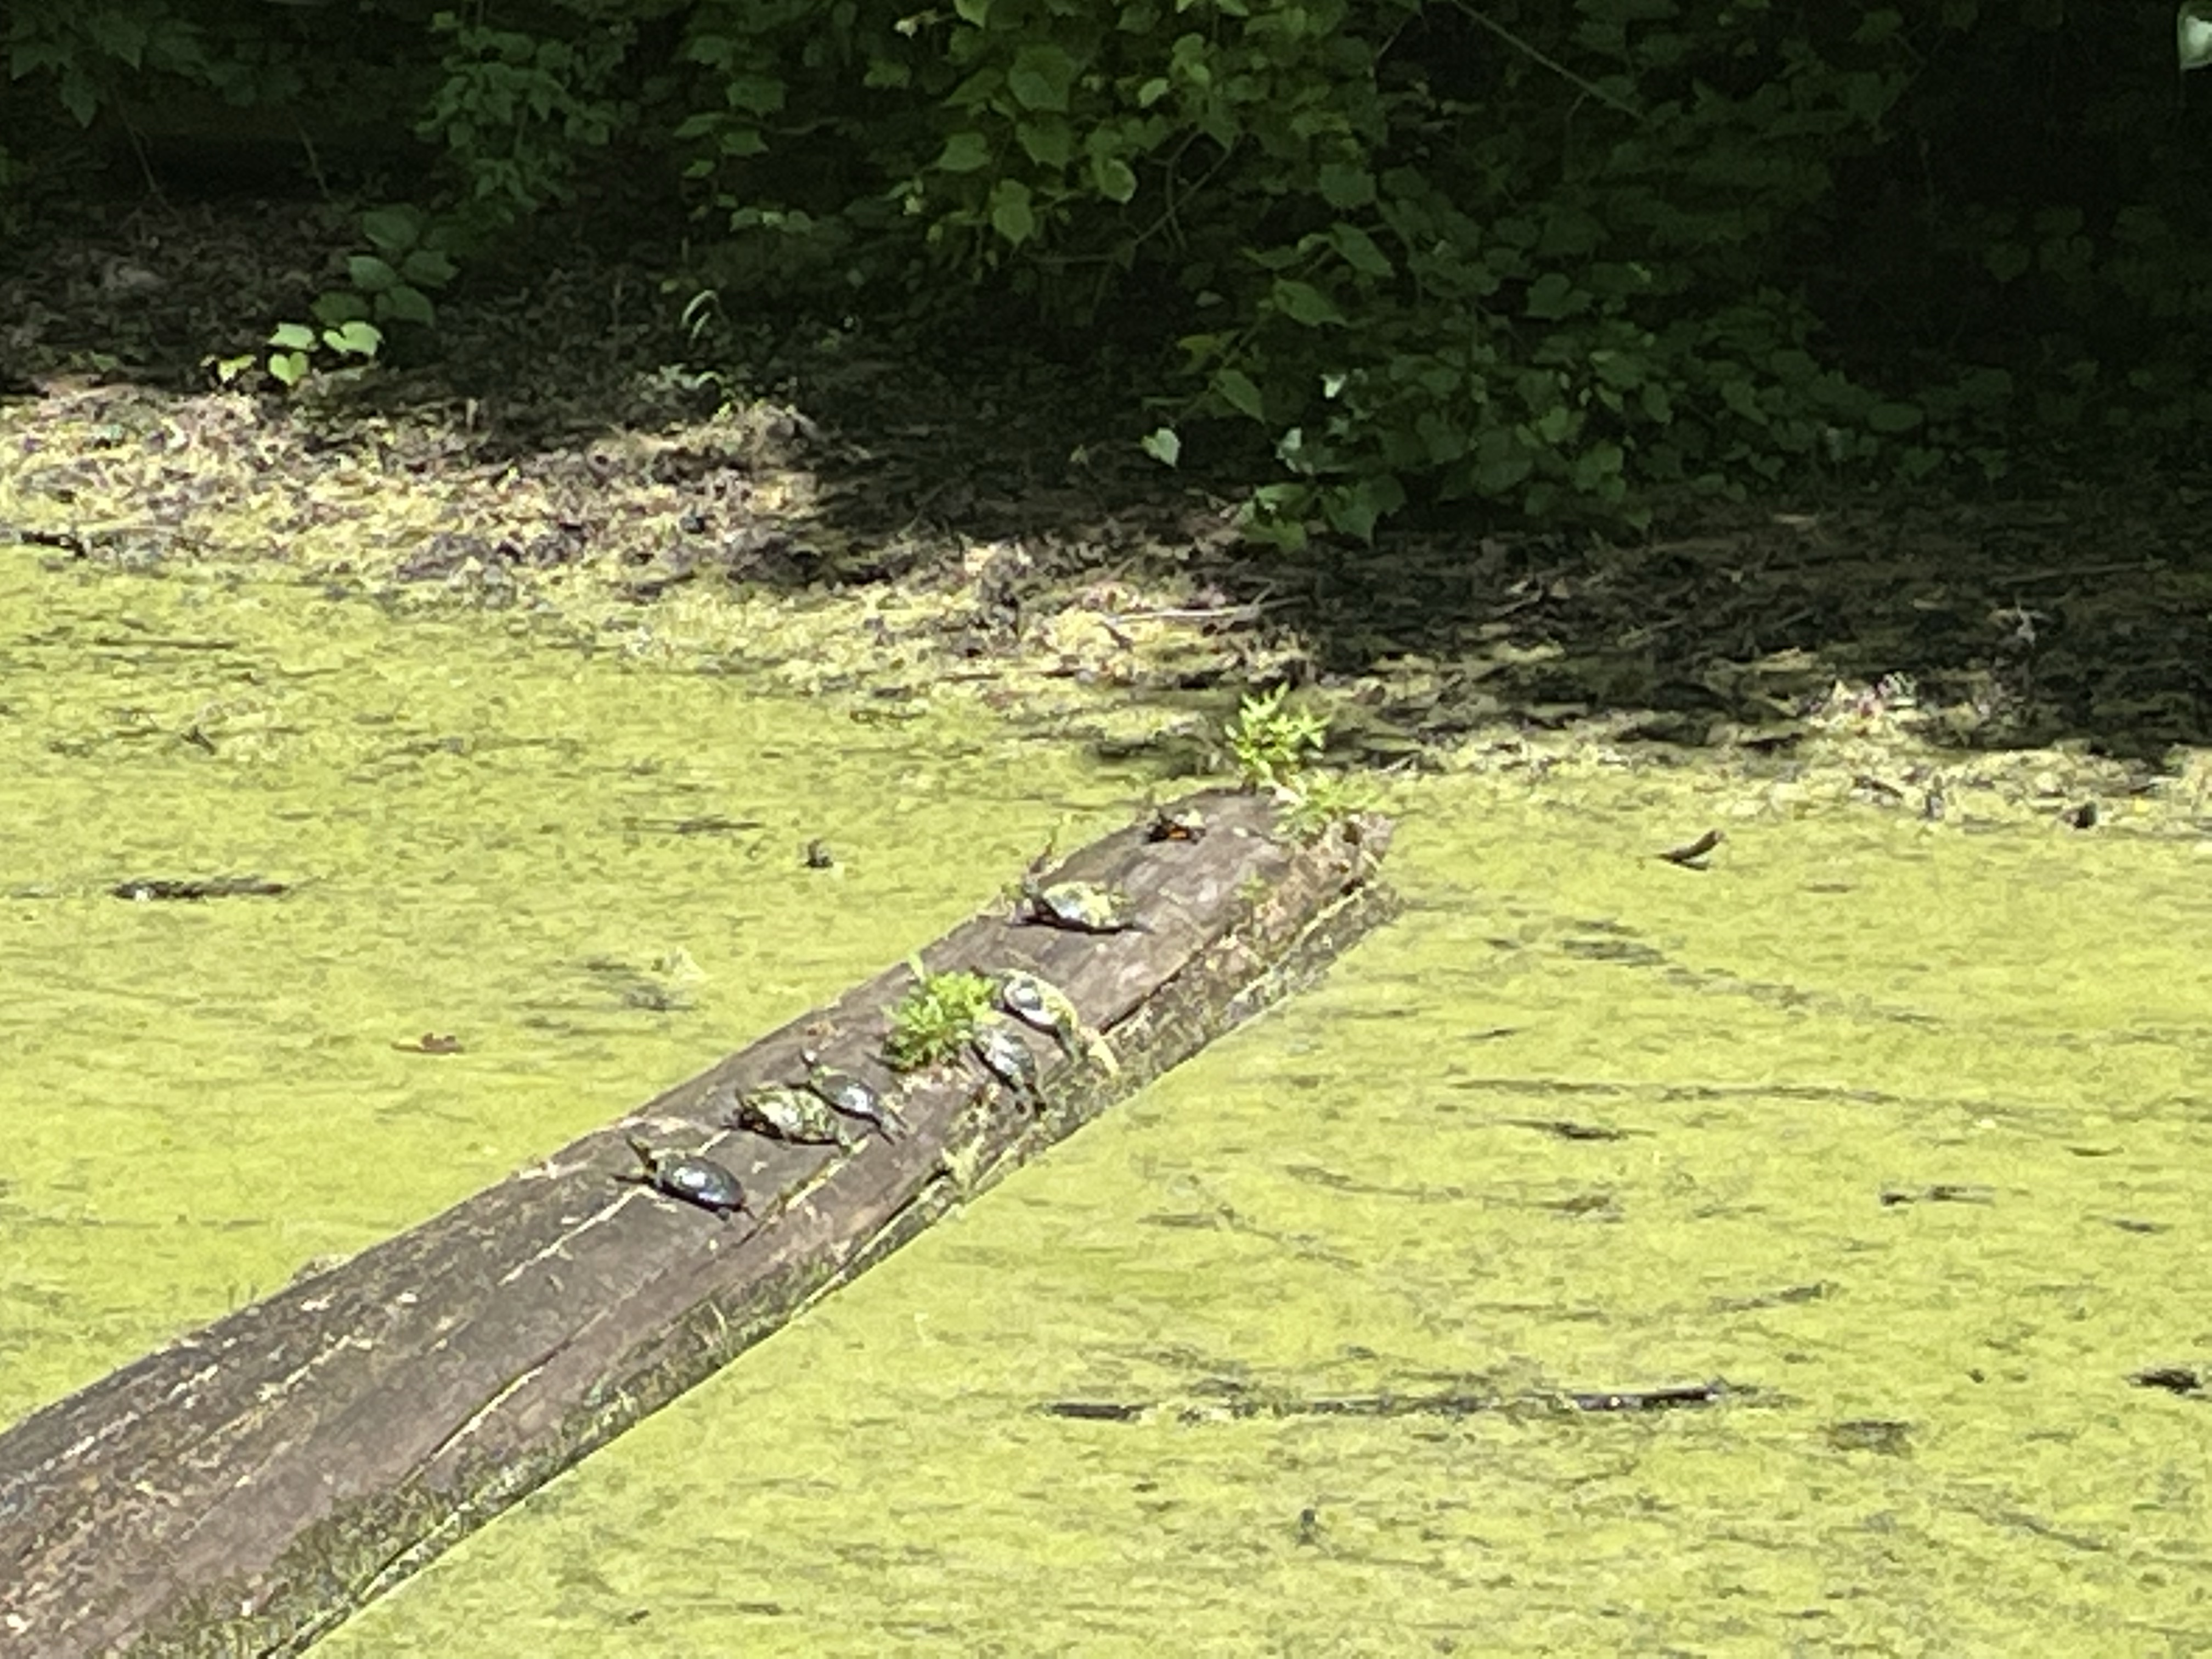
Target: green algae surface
526, 882
1898, 1127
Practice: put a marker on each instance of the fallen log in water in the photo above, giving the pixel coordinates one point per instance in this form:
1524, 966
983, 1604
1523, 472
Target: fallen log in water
244, 1489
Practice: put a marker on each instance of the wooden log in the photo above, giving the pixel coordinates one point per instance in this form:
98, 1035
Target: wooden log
244, 1489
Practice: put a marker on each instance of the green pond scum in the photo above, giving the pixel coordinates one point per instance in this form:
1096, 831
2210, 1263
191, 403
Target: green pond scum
1899, 1128
526, 886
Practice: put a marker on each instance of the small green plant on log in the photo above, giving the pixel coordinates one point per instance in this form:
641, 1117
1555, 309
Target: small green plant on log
935, 1019
1314, 801
1271, 742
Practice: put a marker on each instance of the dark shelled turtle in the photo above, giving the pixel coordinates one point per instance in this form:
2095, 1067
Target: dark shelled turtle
694, 1179
843, 1092
1080, 907
1043, 1006
1007, 1058
1187, 824
790, 1115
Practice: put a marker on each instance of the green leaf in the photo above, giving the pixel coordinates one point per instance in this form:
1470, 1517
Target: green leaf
408, 305
1236, 389
964, 152
354, 340
370, 274
757, 95
1011, 216
425, 267
1040, 77
293, 336
1112, 177
288, 367
2192, 30
1301, 302
1500, 462
338, 307
81, 99
1894, 417
977, 12
1163, 446
1050, 141
1353, 509
1343, 186
1358, 250
393, 230
1551, 296
1597, 469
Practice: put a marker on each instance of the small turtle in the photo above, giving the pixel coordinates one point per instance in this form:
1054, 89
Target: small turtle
1187, 824
1043, 1006
1008, 1059
790, 1115
1080, 907
694, 1179
845, 1093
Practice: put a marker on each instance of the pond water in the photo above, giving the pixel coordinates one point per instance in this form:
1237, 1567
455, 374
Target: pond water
1899, 1128
586, 868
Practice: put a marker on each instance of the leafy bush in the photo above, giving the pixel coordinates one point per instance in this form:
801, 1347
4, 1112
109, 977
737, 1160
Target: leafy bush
383, 286
1523, 253
1559, 258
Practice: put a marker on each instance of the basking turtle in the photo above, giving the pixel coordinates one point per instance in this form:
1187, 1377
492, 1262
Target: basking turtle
843, 1092
1187, 825
1008, 1059
694, 1179
790, 1115
1080, 907
1043, 1006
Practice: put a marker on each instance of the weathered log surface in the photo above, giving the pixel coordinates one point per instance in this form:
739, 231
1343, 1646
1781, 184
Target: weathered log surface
244, 1489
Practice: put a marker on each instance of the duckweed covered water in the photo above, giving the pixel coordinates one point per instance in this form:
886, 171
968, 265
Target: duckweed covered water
587, 872
1369, 1191
1899, 1128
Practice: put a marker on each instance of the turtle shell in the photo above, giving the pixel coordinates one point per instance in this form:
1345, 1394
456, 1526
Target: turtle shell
1007, 1058
789, 1114
1187, 824
694, 1179
1081, 906
1038, 1004
843, 1092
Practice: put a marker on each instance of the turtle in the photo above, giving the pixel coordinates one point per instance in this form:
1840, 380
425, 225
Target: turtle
694, 1179
790, 1115
843, 1092
1079, 907
1185, 823
1007, 1058
1043, 1006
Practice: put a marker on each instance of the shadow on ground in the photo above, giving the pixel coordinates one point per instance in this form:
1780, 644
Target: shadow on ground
571, 419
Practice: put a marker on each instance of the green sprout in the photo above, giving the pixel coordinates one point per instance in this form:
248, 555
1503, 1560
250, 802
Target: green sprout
934, 1019
1270, 741
1319, 799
